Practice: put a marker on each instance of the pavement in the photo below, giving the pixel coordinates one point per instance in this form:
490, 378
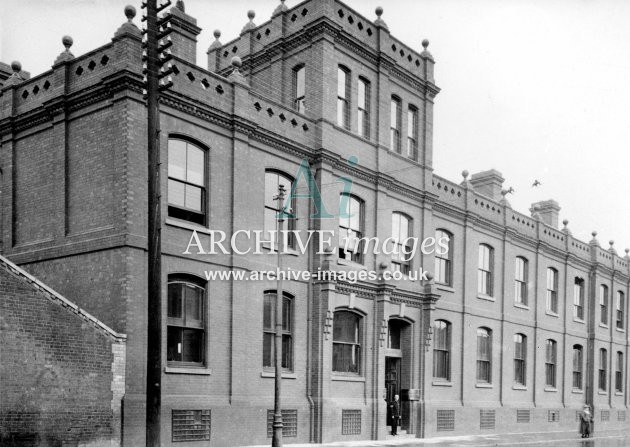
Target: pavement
554, 439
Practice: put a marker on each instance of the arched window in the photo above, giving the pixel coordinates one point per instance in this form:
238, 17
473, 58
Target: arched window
347, 342
299, 88
578, 298
552, 290
350, 227
621, 306
484, 355
269, 330
578, 362
520, 280
401, 232
550, 363
486, 267
343, 97
186, 311
603, 369
443, 257
395, 112
619, 373
603, 304
363, 108
520, 359
273, 179
186, 181
442, 350
412, 132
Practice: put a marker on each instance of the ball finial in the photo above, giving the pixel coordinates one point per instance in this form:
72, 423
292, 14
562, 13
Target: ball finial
465, 174
565, 222
16, 66
236, 62
429, 276
611, 242
67, 42
425, 43
379, 11
130, 12
251, 14
217, 33
627, 250
594, 234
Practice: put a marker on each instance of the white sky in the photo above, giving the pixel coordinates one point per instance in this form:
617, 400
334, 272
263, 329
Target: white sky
536, 89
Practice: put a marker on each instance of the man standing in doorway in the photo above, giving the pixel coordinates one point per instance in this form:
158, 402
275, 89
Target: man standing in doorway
394, 411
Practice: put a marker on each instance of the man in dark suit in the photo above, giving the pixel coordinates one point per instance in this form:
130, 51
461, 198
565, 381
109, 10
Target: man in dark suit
394, 411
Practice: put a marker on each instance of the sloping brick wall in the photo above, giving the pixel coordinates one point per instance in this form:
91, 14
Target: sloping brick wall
61, 370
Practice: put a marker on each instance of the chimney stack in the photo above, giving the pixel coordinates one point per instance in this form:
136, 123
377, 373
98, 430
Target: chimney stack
184, 35
548, 210
489, 183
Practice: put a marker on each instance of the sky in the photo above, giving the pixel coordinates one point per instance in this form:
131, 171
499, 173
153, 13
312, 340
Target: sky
537, 89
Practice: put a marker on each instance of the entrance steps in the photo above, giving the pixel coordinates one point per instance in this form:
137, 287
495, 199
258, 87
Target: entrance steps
402, 434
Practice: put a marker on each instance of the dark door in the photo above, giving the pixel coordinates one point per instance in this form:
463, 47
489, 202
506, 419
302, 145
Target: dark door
392, 380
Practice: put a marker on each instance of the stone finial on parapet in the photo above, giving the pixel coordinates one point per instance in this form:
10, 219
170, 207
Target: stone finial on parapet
180, 5
236, 75
565, 228
611, 249
128, 27
16, 77
594, 241
425, 52
465, 183
380, 22
249, 25
280, 9
627, 256
65, 55
217, 43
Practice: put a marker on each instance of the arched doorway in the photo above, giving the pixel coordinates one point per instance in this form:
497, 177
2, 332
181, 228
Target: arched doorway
398, 367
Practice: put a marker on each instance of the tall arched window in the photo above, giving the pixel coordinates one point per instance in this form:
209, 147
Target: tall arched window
621, 306
520, 280
603, 304
552, 290
343, 97
363, 108
578, 298
486, 267
347, 342
401, 231
520, 359
186, 311
269, 330
443, 257
350, 227
550, 363
299, 88
603, 369
442, 350
619, 372
394, 130
484, 355
273, 179
412, 132
186, 181
578, 362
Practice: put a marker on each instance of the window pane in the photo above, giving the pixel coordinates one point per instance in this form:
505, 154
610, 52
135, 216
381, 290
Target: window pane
287, 351
195, 165
175, 300
193, 304
286, 315
174, 344
192, 342
269, 308
346, 327
299, 82
394, 114
361, 95
193, 198
268, 349
271, 189
176, 193
177, 159
346, 358
341, 83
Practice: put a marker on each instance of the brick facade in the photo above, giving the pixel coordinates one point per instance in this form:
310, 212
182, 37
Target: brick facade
84, 233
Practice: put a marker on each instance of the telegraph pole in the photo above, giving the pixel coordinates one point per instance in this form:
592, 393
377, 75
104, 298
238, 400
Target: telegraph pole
277, 343
153, 60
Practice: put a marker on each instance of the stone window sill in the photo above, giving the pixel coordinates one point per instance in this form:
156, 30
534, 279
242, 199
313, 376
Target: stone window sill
521, 306
343, 378
445, 288
188, 370
482, 296
441, 383
272, 374
519, 387
577, 391
551, 389
483, 385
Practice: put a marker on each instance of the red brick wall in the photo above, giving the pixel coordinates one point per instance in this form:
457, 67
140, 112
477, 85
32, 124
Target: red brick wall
55, 370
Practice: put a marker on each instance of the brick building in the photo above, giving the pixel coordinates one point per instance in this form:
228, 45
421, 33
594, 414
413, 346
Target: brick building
62, 370
542, 315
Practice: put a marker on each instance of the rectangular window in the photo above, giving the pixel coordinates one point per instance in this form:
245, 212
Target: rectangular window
620, 305
602, 371
603, 304
550, 364
484, 355
520, 358
185, 325
346, 342
401, 232
350, 228
552, 290
443, 256
412, 133
442, 350
520, 281
343, 88
269, 331
394, 137
619, 373
484, 277
363, 108
190, 425
186, 181
577, 367
578, 299
299, 89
